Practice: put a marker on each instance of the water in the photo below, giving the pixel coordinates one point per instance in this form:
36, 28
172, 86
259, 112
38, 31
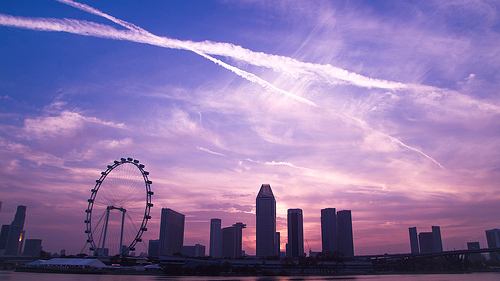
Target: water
22, 276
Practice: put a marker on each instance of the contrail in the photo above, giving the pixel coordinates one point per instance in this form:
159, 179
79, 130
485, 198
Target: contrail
244, 74
97, 12
141, 36
275, 62
292, 67
98, 30
362, 124
209, 151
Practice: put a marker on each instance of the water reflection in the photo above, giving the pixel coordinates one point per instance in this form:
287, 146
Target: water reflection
21, 276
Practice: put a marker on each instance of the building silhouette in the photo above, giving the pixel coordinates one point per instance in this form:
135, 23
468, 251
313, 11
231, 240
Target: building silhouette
154, 248
493, 239
195, 251
295, 246
171, 232
426, 242
15, 238
329, 235
232, 236
277, 244
32, 247
436, 239
4, 233
215, 238
265, 222
474, 246
413, 241
345, 237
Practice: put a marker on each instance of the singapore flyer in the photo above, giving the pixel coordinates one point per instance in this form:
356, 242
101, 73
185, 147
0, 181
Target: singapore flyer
118, 209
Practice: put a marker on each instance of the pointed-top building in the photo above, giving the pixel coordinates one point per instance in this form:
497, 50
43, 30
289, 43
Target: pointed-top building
265, 222
15, 237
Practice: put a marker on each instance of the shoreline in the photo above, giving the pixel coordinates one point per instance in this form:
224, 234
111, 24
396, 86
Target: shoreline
161, 273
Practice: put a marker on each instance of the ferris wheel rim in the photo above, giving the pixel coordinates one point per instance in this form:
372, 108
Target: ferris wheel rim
146, 217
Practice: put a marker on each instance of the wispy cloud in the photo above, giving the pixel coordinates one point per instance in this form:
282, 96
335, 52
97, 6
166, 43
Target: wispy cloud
66, 122
209, 151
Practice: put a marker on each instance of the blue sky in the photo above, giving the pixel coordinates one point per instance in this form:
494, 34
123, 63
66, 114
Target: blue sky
390, 109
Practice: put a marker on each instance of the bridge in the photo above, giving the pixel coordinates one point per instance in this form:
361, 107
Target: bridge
456, 260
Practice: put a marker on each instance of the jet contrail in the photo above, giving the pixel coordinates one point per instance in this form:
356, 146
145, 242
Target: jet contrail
362, 124
97, 12
244, 74
139, 35
103, 31
275, 62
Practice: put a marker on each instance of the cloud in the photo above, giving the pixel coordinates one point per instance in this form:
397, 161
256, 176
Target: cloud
64, 124
113, 144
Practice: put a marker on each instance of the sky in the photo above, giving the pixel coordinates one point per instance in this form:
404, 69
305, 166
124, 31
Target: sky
389, 109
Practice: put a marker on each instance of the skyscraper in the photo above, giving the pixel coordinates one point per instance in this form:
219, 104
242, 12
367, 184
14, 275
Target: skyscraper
15, 236
277, 244
426, 242
345, 240
328, 231
295, 233
413, 240
493, 239
436, 239
265, 222
215, 238
171, 232
232, 241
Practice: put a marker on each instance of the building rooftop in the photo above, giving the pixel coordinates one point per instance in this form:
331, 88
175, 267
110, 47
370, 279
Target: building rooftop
265, 191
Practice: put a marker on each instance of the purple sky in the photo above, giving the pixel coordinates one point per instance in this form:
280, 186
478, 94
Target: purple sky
388, 109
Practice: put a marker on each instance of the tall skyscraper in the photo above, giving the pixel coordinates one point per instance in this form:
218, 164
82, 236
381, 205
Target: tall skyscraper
413, 241
493, 239
232, 246
215, 238
16, 233
345, 240
295, 233
329, 234
265, 222
436, 239
277, 244
426, 242
171, 232
32, 248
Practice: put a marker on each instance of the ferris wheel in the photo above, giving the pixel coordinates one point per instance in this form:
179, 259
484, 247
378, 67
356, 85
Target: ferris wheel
118, 208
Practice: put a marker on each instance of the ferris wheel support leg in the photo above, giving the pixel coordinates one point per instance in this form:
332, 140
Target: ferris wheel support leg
105, 229
122, 251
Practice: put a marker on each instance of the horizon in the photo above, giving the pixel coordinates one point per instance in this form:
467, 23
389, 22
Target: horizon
389, 110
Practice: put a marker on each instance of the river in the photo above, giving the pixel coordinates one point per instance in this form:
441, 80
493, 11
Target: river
22, 276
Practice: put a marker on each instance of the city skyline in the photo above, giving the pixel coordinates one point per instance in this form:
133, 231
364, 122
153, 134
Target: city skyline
388, 110
336, 233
